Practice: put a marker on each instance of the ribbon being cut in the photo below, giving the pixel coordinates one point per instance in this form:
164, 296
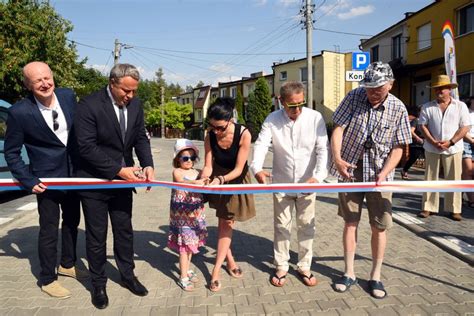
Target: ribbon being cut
392, 186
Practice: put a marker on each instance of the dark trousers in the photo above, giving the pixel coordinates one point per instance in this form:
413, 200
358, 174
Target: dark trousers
49, 204
415, 153
96, 212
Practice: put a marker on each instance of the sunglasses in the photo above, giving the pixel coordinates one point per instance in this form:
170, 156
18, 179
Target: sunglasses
218, 128
187, 158
291, 105
55, 121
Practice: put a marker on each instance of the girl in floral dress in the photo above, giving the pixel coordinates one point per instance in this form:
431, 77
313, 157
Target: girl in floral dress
187, 230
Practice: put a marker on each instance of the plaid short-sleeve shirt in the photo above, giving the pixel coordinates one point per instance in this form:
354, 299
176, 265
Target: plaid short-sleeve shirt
387, 125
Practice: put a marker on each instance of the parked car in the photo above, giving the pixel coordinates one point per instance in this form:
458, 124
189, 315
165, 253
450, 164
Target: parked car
4, 171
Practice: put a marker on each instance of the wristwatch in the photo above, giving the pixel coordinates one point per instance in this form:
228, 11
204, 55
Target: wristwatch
451, 143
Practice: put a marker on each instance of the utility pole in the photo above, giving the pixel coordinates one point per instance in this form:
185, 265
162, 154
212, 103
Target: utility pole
163, 111
116, 51
308, 14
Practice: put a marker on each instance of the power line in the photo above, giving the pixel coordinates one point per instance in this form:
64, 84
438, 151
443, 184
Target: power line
86, 45
340, 32
192, 58
270, 37
328, 11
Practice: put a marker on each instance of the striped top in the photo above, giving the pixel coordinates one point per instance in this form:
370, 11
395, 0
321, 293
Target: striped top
387, 125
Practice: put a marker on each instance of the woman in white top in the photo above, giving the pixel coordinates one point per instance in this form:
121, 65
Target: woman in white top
468, 153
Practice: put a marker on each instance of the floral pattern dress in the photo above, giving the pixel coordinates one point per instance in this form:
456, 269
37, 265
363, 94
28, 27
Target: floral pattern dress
187, 231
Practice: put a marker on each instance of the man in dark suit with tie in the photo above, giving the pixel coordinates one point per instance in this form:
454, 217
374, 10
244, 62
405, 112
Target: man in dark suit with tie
109, 125
43, 123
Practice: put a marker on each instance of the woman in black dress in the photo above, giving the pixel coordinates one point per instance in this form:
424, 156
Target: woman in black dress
227, 147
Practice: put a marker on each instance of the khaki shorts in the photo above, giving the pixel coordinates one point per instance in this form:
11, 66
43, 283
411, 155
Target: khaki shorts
379, 205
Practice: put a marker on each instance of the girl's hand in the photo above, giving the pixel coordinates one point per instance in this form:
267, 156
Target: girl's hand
201, 181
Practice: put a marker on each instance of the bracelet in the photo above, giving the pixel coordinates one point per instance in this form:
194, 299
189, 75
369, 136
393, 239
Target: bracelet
221, 179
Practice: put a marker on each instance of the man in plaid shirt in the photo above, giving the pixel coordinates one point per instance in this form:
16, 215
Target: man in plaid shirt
371, 128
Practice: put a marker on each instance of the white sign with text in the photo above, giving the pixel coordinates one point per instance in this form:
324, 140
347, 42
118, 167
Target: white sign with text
354, 75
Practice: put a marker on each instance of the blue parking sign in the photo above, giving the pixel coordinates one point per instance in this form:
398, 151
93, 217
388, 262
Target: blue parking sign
360, 60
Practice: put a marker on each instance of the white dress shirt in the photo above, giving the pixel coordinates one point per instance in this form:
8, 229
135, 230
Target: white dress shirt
47, 112
117, 108
443, 126
300, 147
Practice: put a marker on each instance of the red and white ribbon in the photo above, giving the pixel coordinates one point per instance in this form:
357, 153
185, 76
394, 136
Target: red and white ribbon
392, 186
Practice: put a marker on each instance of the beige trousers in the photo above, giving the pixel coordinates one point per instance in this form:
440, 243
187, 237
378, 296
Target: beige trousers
452, 166
283, 205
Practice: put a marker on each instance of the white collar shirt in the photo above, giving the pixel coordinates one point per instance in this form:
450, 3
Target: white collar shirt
443, 126
117, 108
47, 112
300, 147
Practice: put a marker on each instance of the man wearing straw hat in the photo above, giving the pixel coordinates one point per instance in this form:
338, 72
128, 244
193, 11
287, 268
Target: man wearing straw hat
444, 122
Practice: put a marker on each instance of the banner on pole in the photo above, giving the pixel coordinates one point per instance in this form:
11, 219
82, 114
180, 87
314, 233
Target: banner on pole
449, 55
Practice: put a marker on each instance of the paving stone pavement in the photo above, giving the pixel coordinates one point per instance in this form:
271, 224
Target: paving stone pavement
420, 278
454, 237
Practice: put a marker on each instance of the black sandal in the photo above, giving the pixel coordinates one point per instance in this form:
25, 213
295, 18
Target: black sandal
376, 285
346, 281
281, 280
306, 279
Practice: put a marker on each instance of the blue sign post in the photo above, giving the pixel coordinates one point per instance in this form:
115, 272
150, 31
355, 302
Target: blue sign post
360, 60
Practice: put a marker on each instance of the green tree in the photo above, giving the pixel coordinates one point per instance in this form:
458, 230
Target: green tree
175, 115
89, 80
200, 84
148, 93
239, 106
259, 106
32, 30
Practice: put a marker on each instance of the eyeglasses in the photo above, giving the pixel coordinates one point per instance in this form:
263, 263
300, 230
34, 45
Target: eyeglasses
218, 128
187, 158
295, 105
55, 121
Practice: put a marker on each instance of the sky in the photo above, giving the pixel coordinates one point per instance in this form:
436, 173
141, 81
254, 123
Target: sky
219, 40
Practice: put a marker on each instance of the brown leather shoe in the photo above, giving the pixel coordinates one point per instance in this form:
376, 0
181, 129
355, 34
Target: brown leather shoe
456, 217
424, 214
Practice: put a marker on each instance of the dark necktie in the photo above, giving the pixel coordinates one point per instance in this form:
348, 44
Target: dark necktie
123, 129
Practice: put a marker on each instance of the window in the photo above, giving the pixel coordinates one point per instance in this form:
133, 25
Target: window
223, 92
466, 19
283, 76
304, 74
397, 47
466, 85
250, 87
374, 53
424, 36
202, 93
199, 115
187, 100
233, 92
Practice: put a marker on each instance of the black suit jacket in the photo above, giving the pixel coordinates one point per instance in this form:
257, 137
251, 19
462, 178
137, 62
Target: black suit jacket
49, 157
99, 139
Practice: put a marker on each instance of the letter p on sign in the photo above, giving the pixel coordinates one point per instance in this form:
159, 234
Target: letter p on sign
360, 60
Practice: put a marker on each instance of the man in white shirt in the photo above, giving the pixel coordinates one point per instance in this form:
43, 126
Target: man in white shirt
444, 122
43, 123
299, 140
